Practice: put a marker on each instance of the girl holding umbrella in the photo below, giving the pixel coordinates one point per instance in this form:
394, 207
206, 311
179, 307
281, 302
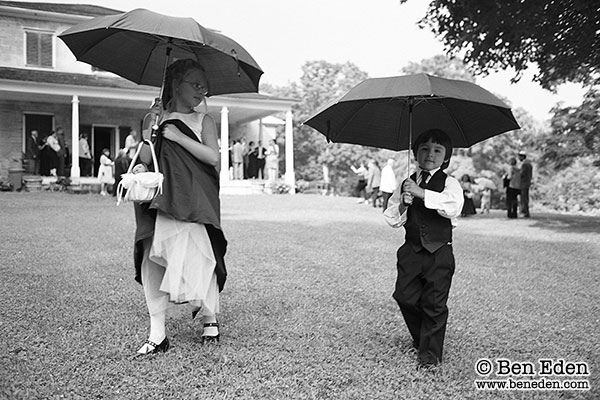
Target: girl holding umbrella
179, 246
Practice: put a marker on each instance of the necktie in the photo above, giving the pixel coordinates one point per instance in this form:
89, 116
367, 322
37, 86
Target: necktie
424, 176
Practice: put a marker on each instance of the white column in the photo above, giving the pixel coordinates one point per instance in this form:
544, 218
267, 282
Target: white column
224, 144
290, 177
75, 171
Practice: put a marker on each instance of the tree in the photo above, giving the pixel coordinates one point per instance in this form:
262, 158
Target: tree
322, 82
442, 66
559, 36
575, 133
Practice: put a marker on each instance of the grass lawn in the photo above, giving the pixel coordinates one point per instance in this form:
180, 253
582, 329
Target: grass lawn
307, 311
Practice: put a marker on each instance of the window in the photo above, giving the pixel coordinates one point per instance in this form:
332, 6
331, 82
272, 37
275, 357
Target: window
38, 47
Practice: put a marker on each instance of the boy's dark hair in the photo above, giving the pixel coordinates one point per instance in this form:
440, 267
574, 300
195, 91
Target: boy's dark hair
437, 136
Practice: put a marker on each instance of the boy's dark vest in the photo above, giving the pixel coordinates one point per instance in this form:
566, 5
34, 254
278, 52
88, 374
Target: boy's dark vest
425, 228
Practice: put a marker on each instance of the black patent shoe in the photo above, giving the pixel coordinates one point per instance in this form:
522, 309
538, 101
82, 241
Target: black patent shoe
205, 339
150, 347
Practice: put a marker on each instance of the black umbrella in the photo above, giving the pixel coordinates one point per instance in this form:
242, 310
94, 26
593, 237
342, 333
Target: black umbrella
139, 44
384, 112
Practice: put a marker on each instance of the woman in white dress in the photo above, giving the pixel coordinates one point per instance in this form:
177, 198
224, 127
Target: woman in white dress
105, 171
272, 160
179, 245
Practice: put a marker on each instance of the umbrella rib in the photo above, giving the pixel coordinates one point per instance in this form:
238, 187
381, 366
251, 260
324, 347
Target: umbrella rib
350, 120
398, 144
460, 130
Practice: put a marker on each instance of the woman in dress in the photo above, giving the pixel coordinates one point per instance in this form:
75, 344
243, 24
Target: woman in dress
179, 246
469, 205
105, 171
272, 160
46, 157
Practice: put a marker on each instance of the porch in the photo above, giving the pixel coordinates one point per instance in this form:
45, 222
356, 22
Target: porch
92, 185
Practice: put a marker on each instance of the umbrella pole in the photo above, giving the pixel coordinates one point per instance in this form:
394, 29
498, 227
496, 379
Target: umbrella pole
162, 87
410, 129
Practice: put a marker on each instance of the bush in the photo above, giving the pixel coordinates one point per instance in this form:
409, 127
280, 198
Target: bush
575, 188
301, 185
279, 187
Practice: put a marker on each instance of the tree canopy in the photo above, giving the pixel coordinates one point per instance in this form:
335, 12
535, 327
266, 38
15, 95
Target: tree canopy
441, 65
559, 36
574, 133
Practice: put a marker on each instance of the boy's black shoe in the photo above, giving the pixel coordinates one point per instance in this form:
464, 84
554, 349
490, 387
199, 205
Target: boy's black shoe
427, 367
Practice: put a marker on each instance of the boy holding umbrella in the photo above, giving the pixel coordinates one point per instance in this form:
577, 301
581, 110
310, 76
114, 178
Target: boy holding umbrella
427, 205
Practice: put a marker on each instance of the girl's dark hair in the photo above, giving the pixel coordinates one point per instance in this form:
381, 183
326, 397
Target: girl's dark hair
175, 74
437, 136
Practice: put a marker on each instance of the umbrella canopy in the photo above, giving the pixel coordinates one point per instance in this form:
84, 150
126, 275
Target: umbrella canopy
384, 112
134, 45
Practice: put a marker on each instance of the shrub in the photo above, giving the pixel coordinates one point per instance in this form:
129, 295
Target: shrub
575, 188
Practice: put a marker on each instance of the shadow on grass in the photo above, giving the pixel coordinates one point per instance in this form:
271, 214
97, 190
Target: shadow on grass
567, 223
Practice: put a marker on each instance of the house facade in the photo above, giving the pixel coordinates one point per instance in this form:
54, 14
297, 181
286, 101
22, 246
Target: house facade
43, 87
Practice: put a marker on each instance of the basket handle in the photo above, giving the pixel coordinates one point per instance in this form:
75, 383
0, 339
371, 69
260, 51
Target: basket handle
137, 153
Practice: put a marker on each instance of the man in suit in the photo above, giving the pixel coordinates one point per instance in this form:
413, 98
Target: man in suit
33, 153
526, 176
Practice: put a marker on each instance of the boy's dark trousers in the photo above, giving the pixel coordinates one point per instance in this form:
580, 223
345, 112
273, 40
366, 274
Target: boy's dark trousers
422, 289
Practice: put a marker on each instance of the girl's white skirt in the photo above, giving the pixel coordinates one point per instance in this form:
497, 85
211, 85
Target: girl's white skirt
185, 252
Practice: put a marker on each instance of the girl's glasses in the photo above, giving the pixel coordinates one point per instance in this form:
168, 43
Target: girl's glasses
198, 86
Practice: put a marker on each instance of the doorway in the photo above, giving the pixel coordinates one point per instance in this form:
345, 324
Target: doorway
43, 123
103, 137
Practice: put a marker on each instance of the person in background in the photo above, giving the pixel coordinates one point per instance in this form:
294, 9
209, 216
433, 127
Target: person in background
237, 159
33, 153
388, 182
512, 180
179, 245
525, 183
486, 200
246, 157
45, 157
121, 165
427, 206
85, 156
468, 193
62, 154
252, 160
361, 185
53, 156
105, 171
260, 160
373, 181
272, 160
131, 143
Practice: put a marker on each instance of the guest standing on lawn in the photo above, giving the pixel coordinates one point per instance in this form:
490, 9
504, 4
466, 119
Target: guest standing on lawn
388, 182
373, 181
525, 182
427, 205
512, 180
179, 246
361, 185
